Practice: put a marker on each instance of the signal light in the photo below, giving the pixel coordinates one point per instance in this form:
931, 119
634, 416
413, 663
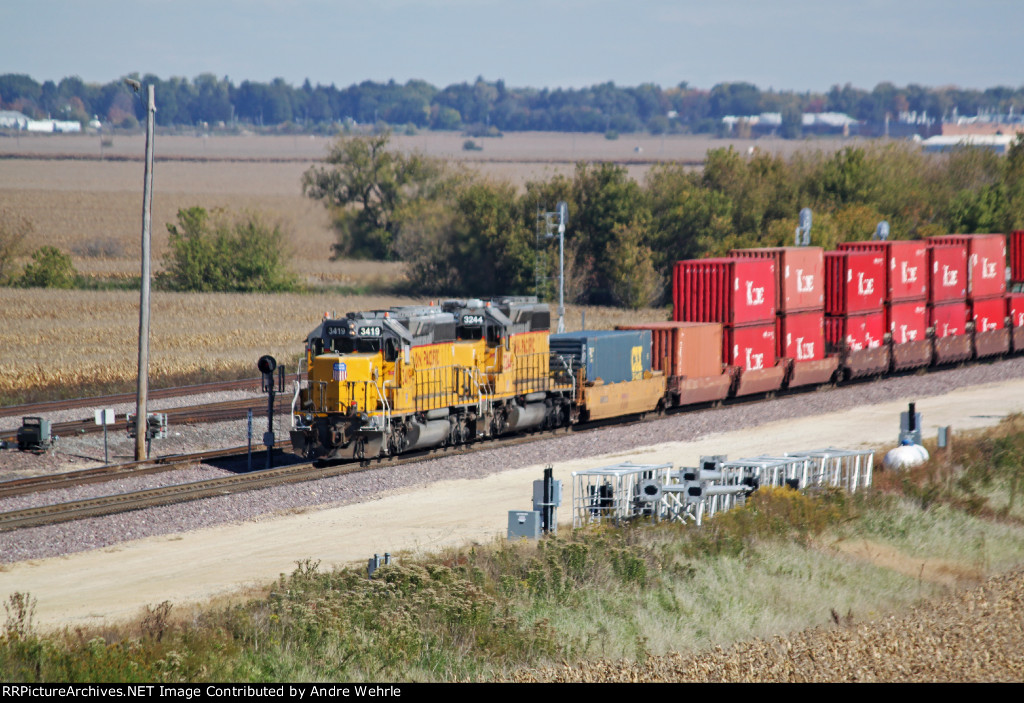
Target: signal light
266, 364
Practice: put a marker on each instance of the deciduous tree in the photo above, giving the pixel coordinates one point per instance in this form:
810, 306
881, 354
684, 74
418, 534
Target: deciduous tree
364, 183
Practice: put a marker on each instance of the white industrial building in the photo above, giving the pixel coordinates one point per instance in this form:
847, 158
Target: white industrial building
10, 119
999, 143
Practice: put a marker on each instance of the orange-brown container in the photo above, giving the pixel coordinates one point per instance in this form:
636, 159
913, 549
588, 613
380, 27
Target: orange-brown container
685, 349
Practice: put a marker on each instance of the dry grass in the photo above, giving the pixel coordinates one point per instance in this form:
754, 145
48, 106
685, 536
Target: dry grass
974, 635
76, 342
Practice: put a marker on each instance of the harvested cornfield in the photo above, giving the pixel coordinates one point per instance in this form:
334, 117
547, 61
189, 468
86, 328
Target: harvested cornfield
974, 635
58, 343
81, 342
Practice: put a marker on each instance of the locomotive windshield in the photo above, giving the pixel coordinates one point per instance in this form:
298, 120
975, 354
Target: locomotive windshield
356, 345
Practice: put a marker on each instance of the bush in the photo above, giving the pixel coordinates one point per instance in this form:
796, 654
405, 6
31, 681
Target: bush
50, 268
225, 254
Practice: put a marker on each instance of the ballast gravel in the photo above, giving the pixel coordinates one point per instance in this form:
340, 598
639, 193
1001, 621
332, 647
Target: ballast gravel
91, 533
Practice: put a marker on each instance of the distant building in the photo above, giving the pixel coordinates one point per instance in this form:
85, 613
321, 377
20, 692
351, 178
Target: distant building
769, 123
9, 119
62, 126
999, 143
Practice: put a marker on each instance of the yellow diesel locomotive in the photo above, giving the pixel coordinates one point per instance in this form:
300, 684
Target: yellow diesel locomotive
389, 381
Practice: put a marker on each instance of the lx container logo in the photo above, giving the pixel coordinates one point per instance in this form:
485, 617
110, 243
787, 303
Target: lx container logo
804, 350
755, 296
804, 284
988, 269
865, 286
754, 361
948, 277
908, 273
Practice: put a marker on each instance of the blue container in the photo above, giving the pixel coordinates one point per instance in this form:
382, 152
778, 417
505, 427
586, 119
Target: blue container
610, 355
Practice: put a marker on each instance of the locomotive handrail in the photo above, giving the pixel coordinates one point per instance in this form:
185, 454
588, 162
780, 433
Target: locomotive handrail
295, 399
385, 404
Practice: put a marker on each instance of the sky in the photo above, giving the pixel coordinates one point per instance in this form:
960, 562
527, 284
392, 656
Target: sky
798, 45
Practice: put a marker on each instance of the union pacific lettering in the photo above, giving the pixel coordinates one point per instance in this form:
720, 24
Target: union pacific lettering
432, 355
529, 342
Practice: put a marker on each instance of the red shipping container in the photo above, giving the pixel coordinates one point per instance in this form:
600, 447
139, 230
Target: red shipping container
947, 273
1015, 309
800, 271
692, 349
864, 330
907, 321
948, 319
751, 347
986, 262
1017, 256
730, 291
906, 264
854, 282
801, 335
988, 314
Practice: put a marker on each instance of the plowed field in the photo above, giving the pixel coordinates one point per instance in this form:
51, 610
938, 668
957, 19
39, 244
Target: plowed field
974, 635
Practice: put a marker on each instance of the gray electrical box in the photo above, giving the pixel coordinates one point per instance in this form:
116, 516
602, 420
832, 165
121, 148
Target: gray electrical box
524, 523
538, 494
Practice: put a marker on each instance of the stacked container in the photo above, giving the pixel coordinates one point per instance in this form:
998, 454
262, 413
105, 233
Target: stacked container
690, 355
1015, 311
983, 289
800, 301
855, 285
905, 297
740, 293
608, 355
1017, 257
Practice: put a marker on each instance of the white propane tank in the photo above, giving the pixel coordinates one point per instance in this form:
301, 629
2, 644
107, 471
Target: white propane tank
905, 456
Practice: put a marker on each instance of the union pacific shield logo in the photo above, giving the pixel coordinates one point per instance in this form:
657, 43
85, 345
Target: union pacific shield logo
340, 371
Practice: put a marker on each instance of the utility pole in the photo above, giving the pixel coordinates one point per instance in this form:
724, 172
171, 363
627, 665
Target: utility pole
141, 423
561, 214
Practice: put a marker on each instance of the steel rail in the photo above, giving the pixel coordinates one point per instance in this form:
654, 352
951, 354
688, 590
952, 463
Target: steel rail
101, 474
209, 412
265, 478
120, 398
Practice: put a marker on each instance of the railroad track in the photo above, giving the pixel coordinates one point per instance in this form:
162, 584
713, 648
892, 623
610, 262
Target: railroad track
209, 412
107, 400
137, 500
101, 474
105, 505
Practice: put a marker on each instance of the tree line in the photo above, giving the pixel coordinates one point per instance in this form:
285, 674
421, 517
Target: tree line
462, 233
483, 105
